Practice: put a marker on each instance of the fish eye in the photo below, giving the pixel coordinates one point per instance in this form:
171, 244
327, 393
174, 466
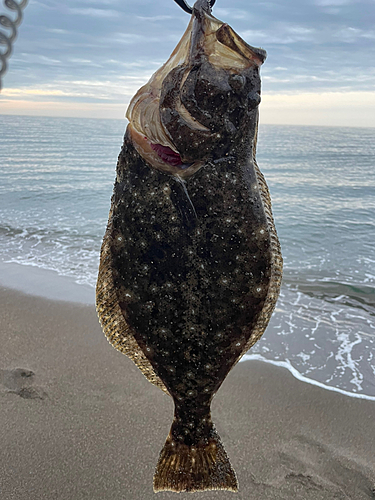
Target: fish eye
253, 99
237, 82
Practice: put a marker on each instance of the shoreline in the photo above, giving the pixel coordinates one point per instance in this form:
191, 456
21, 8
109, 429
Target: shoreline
80, 421
39, 282
293, 371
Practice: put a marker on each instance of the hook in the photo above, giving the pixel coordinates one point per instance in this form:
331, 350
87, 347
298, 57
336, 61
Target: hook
186, 7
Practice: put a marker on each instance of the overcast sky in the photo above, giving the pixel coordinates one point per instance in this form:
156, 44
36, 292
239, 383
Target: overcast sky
88, 57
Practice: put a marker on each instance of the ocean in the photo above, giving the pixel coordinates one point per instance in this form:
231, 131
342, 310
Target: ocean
56, 178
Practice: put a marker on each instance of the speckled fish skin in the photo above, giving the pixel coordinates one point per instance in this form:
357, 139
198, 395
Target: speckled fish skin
191, 265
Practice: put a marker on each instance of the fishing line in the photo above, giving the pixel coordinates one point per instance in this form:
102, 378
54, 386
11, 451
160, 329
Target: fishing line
182, 182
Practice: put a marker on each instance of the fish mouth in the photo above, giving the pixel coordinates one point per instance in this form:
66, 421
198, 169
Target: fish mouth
162, 158
156, 126
168, 155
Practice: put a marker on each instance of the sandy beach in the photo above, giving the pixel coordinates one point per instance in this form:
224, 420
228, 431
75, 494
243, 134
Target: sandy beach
79, 421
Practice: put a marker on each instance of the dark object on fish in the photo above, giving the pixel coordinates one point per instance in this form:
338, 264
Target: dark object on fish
190, 265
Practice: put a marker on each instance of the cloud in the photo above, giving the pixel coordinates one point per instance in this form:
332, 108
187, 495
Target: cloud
48, 60
57, 30
320, 109
132, 38
101, 13
63, 46
155, 19
232, 13
355, 109
120, 89
329, 3
350, 34
65, 109
80, 61
127, 38
282, 35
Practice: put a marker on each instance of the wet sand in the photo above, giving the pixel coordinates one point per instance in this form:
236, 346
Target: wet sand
79, 421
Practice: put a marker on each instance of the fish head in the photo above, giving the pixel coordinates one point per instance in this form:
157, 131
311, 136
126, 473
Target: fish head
202, 100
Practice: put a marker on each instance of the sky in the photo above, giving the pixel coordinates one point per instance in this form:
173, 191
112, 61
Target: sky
87, 58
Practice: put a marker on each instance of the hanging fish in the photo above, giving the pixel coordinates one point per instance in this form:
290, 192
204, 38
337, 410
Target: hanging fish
190, 265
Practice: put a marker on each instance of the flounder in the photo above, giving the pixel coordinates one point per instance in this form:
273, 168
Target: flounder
190, 266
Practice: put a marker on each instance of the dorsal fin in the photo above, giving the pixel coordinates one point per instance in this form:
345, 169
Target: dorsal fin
114, 325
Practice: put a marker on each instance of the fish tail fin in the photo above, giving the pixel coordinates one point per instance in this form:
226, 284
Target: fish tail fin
197, 467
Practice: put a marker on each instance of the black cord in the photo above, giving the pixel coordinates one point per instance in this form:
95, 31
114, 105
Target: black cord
6, 38
186, 7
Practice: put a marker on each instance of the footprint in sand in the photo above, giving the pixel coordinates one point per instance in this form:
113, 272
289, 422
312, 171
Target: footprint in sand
20, 381
315, 466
